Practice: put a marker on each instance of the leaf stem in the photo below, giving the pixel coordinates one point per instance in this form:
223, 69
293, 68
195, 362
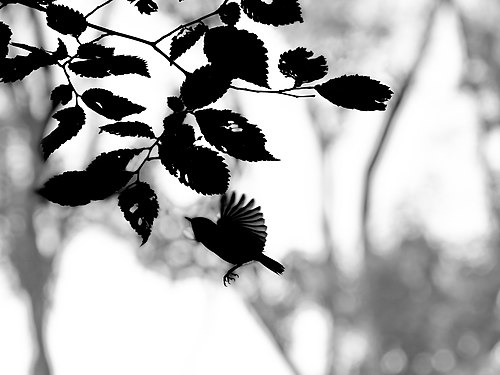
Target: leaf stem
281, 92
139, 40
147, 158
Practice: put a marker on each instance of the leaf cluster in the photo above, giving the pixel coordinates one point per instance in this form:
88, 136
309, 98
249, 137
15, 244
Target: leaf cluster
235, 59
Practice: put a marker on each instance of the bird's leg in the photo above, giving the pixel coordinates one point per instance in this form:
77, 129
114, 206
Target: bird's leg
230, 275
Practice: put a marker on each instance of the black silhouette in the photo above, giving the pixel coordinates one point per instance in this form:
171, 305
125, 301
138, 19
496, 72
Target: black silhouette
234, 58
238, 237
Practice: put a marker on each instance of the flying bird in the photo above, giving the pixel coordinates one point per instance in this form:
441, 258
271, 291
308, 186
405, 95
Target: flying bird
238, 237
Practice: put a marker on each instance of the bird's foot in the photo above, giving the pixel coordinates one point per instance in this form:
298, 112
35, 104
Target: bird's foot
228, 277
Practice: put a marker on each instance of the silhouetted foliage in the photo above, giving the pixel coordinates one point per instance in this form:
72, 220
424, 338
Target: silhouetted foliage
204, 86
65, 20
5, 35
61, 94
129, 129
230, 13
145, 6
231, 133
185, 39
300, 65
195, 166
139, 205
237, 52
233, 54
277, 13
99, 67
110, 105
71, 121
356, 92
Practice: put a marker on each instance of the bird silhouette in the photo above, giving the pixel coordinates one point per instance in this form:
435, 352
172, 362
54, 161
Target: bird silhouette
238, 237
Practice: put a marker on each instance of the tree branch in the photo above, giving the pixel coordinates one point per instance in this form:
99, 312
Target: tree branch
389, 124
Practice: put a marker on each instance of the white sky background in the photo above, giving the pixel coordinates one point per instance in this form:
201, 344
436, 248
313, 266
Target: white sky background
112, 316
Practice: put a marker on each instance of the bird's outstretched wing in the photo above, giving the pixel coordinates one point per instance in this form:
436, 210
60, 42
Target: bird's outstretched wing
242, 219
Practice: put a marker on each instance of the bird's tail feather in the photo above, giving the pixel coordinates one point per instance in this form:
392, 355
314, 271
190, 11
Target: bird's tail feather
274, 266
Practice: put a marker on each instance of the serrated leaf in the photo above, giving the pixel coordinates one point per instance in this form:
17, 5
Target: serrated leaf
93, 50
67, 189
5, 35
204, 86
185, 39
104, 176
230, 13
117, 159
109, 105
145, 6
129, 129
61, 94
100, 67
239, 53
300, 65
356, 92
124, 64
277, 13
197, 167
65, 20
139, 205
90, 68
175, 103
71, 121
107, 172
232, 134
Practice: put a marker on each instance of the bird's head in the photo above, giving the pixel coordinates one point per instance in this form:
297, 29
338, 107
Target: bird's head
202, 227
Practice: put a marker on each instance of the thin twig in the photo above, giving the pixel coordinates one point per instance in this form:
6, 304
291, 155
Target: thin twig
281, 92
180, 27
98, 7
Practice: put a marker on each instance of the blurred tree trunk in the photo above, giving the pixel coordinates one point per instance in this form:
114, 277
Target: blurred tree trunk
25, 129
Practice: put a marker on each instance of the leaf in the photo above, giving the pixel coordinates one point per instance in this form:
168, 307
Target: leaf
124, 64
204, 86
71, 121
107, 173
118, 159
237, 52
277, 13
356, 92
5, 35
90, 68
61, 52
103, 177
230, 13
129, 129
109, 105
65, 20
19, 67
175, 103
232, 134
185, 39
139, 205
100, 67
200, 168
145, 6
61, 94
300, 65
93, 50
67, 189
